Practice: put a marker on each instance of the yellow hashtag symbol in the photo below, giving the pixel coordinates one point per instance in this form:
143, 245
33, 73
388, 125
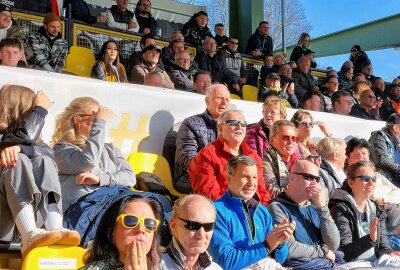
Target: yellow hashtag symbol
123, 133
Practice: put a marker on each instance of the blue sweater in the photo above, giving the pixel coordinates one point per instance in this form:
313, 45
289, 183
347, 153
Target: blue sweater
232, 245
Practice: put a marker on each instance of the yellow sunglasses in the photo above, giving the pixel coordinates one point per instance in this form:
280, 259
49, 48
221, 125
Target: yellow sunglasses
132, 221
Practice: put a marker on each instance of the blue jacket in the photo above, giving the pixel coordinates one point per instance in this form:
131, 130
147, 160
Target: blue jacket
232, 245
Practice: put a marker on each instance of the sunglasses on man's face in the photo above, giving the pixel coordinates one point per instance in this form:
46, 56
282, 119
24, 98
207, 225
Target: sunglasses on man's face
234, 123
366, 178
309, 177
132, 221
195, 226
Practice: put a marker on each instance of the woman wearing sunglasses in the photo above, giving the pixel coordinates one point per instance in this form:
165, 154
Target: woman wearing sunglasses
304, 122
127, 236
257, 135
363, 237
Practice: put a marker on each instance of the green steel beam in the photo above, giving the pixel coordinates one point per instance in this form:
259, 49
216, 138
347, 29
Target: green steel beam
375, 35
244, 17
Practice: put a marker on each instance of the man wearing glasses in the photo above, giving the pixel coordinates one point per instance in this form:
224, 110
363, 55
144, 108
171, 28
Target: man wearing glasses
316, 239
244, 232
182, 71
207, 171
192, 226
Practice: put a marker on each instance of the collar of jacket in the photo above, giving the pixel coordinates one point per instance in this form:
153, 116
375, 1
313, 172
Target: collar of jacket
176, 254
44, 33
117, 9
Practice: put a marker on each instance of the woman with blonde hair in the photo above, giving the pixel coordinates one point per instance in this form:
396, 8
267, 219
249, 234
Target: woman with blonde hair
86, 163
304, 122
303, 44
29, 186
257, 135
107, 67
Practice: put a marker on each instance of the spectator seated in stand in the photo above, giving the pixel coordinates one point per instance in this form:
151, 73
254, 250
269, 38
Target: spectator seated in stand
257, 134
379, 87
153, 78
363, 234
11, 53
201, 81
196, 30
278, 61
136, 58
10, 28
196, 132
303, 80
29, 185
280, 156
80, 11
359, 58
312, 101
273, 83
209, 61
182, 72
367, 70
345, 78
331, 86
127, 236
192, 221
391, 103
168, 53
147, 23
358, 87
49, 49
260, 43
266, 68
385, 149
220, 37
303, 45
207, 171
285, 72
368, 108
151, 58
107, 67
233, 60
342, 102
119, 17
245, 237
310, 55
316, 239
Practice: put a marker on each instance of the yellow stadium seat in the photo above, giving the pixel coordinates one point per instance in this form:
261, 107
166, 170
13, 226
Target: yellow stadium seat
156, 164
250, 92
234, 96
79, 61
54, 257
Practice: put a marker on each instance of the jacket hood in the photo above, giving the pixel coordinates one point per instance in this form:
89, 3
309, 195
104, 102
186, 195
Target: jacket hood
283, 198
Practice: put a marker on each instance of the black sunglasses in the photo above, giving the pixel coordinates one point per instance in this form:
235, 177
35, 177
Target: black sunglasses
195, 226
234, 123
366, 178
309, 177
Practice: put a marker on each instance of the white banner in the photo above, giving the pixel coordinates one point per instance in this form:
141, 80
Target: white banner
149, 112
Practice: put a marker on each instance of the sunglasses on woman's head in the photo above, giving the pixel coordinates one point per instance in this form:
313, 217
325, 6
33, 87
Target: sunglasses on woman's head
132, 221
195, 226
366, 178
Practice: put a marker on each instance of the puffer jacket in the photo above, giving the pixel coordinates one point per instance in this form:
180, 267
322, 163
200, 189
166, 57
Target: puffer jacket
303, 83
49, 54
15, 31
182, 79
343, 211
195, 133
384, 149
194, 34
233, 61
256, 138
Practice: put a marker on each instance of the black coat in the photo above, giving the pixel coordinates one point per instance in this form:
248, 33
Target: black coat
257, 41
80, 11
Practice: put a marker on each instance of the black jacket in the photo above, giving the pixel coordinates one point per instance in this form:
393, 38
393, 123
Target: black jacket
121, 16
146, 22
41, 6
194, 34
359, 62
350, 241
80, 11
257, 41
219, 72
360, 112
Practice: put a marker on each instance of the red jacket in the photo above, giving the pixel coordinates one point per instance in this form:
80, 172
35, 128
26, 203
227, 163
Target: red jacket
207, 171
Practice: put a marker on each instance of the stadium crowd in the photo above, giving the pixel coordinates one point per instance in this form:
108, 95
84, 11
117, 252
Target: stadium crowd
257, 196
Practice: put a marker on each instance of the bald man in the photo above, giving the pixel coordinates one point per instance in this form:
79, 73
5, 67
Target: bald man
316, 239
192, 226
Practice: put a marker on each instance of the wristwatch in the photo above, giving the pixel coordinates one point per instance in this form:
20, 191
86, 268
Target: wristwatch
325, 249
